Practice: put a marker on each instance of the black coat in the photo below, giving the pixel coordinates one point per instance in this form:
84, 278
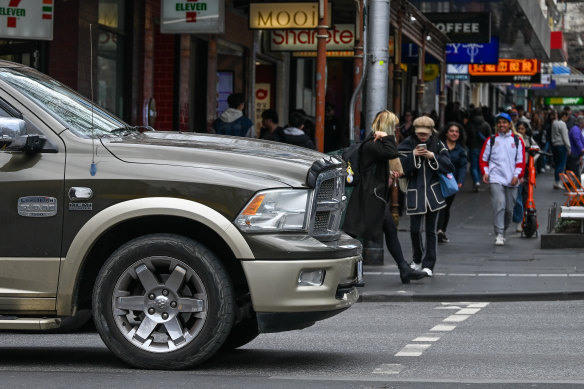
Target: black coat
424, 194
366, 209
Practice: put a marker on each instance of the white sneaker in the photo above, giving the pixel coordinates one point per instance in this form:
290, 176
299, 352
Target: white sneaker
500, 240
416, 266
519, 228
427, 271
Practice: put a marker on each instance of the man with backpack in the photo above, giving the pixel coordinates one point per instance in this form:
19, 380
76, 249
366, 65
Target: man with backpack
502, 163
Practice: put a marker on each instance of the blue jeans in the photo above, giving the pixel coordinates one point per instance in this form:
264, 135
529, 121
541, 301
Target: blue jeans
503, 201
560, 157
474, 155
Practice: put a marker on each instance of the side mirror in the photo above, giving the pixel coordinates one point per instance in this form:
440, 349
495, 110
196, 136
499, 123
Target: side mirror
30, 144
10, 129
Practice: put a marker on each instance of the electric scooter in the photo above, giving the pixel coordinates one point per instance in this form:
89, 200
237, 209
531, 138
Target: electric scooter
529, 224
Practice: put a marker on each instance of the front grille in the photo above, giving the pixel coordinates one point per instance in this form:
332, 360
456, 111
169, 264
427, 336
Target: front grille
328, 206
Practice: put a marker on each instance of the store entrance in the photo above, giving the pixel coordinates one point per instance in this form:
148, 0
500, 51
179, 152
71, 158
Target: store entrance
25, 52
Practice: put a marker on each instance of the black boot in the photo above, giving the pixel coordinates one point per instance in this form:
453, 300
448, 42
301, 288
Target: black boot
406, 274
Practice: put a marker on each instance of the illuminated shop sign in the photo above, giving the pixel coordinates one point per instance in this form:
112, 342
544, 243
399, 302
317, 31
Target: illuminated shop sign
463, 27
340, 38
564, 100
192, 16
285, 15
26, 19
506, 67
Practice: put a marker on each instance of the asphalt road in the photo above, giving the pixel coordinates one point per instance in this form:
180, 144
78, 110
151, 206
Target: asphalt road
372, 345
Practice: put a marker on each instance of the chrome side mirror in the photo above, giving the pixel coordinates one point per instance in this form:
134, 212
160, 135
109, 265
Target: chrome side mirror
10, 129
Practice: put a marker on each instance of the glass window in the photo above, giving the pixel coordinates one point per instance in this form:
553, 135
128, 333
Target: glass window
110, 56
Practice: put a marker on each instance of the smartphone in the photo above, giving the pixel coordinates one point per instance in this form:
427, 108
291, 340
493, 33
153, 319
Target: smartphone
421, 146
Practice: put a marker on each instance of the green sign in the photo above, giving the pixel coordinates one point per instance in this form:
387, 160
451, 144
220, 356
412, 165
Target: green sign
564, 100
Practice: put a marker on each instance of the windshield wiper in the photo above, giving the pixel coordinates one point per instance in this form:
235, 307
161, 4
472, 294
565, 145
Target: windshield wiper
123, 131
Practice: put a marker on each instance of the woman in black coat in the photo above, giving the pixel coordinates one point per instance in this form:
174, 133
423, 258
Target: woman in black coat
368, 216
453, 137
422, 156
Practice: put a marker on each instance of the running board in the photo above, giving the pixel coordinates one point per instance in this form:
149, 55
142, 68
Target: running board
30, 324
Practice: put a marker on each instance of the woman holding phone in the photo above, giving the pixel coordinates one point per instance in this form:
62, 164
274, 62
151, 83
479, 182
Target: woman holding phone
423, 156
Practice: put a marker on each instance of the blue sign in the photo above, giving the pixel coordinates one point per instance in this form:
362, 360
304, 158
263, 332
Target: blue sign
409, 54
479, 53
558, 69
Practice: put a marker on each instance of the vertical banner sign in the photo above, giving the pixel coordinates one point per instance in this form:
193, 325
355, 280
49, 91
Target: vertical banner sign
26, 19
192, 16
262, 102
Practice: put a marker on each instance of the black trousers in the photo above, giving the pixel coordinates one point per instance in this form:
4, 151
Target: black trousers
392, 241
429, 257
444, 214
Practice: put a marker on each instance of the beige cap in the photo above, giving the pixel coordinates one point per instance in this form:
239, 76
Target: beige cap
424, 125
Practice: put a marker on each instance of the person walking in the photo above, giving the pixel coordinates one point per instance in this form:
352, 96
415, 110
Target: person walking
232, 121
423, 156
560, 147
454, 138
502, 163
477, 131
368, 216
576, 146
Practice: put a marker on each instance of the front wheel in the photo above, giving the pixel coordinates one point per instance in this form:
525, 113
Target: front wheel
530, 227
163, 301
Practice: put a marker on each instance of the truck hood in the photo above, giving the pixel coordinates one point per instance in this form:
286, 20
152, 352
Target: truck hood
280, 162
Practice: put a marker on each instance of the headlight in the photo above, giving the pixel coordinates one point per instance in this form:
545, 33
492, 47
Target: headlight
275, 210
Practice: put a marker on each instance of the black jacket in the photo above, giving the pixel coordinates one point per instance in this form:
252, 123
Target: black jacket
366, 209
424, 194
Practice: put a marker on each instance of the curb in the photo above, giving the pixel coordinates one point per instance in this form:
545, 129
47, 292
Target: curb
372, 297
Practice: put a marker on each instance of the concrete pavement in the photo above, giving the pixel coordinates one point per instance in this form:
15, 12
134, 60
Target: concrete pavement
471, 268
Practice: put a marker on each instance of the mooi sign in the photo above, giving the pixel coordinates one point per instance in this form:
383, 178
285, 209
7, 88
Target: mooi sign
340, 38
26, 19
285, 15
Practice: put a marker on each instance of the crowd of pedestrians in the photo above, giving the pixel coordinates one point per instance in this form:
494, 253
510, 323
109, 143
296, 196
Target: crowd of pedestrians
490, 149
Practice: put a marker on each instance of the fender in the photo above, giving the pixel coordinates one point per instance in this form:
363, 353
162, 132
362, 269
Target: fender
120, 212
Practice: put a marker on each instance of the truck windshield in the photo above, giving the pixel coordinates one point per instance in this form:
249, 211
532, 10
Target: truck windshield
76, 112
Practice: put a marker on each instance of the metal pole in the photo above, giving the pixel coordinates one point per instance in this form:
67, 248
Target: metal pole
378, 72
360, 71
322, 36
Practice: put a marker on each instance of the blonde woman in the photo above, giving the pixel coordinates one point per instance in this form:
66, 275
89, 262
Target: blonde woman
368, 216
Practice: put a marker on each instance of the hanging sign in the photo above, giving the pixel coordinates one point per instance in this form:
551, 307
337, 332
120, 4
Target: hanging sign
188, 16
463, 27
340, 38
467, 53
506, 67
564, 100
286, 15
26, 19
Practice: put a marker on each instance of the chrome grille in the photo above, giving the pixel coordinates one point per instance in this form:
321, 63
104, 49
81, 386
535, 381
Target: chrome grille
328, 205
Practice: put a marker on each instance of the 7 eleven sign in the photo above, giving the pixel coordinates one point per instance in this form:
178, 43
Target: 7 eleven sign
26, 19
192, 16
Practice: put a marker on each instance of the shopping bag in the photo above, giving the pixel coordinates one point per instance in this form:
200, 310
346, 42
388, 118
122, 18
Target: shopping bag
448, 184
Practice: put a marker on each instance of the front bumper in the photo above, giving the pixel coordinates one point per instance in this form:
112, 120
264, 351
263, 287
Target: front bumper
274, 285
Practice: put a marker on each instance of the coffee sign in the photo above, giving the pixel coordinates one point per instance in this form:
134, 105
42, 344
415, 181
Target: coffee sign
463, 27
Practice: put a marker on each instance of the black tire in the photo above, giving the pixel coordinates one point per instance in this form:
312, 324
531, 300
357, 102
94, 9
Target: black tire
530, 226
163, 301
241, 334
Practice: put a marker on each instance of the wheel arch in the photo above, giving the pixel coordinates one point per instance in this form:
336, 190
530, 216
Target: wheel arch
122, 222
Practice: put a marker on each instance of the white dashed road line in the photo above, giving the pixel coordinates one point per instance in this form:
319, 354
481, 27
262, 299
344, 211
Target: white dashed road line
378, 273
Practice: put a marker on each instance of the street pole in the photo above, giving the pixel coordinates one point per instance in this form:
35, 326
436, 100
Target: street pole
378, 57
377, 87
321, 36
359, 72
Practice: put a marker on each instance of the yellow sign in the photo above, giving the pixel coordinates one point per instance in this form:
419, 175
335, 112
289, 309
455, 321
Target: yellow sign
285, 15
431, 71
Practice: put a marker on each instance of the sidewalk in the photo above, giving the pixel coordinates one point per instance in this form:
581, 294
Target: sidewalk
471, 268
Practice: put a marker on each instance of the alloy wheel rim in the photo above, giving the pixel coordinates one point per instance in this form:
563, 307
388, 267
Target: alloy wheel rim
159, 304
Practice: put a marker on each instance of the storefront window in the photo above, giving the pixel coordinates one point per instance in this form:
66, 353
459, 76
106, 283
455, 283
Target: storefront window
110, 56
